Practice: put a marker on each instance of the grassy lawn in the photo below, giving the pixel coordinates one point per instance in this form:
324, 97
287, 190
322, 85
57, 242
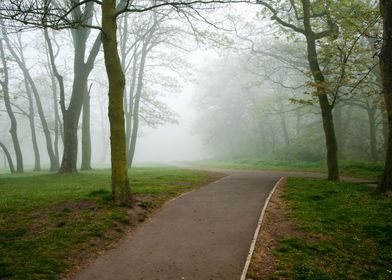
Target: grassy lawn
49, 222
359, 169
344, 232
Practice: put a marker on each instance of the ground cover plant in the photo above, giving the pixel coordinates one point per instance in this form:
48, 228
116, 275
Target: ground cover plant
51, 222
341, 231
360, 169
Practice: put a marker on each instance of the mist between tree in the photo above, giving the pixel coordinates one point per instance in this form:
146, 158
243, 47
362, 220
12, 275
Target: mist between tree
293, 80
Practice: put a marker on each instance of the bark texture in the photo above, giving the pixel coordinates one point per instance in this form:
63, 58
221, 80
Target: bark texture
121, 190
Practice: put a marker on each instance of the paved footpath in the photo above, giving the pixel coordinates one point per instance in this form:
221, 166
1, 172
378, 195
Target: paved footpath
202, 235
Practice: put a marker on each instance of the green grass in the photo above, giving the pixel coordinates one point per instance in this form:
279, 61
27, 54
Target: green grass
49, 221
346, 232
359, 169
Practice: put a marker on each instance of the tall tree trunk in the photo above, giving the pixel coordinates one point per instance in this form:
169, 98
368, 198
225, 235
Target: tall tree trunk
130, 106
136, 106
72, 114
86, 138
326, 108
56, 119
330, 138
120, 182
14, 126
386, 75
8, 156
105, 142
37, 159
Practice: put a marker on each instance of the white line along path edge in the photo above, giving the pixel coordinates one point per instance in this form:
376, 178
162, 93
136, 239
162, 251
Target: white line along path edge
255, 236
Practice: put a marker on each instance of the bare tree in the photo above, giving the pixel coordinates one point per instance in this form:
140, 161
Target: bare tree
19, 59
11, 115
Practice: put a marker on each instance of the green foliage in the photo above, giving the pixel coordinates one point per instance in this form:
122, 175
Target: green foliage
346, 232
48, 220
300, 151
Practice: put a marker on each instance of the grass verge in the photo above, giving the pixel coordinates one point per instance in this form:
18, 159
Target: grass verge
316, 229
358, 169
51, 223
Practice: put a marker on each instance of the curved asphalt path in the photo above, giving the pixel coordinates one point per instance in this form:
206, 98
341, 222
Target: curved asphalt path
202, 235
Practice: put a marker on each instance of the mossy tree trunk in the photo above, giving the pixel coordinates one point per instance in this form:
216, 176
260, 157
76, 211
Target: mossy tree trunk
120, 182
386, 76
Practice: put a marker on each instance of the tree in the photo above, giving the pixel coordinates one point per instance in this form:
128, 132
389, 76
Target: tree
19, 59
386, 76
31, 114
56, 14
14, 125
82, 69
121, 190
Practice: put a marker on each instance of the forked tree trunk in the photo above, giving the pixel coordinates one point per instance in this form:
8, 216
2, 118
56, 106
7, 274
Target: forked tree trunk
120, 182
386, 76
82, 69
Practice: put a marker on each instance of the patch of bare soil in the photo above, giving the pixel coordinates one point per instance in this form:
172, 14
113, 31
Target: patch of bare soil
275, 227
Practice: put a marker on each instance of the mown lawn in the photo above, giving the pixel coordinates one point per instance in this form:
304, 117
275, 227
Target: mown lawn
345, 232
358, 169
50, 222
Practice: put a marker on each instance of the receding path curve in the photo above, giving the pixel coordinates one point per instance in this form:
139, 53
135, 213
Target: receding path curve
202, 235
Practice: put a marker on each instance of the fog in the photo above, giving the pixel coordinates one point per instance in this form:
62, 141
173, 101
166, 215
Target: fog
225, 82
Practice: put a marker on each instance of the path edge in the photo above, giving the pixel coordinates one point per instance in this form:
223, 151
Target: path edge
256, 234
